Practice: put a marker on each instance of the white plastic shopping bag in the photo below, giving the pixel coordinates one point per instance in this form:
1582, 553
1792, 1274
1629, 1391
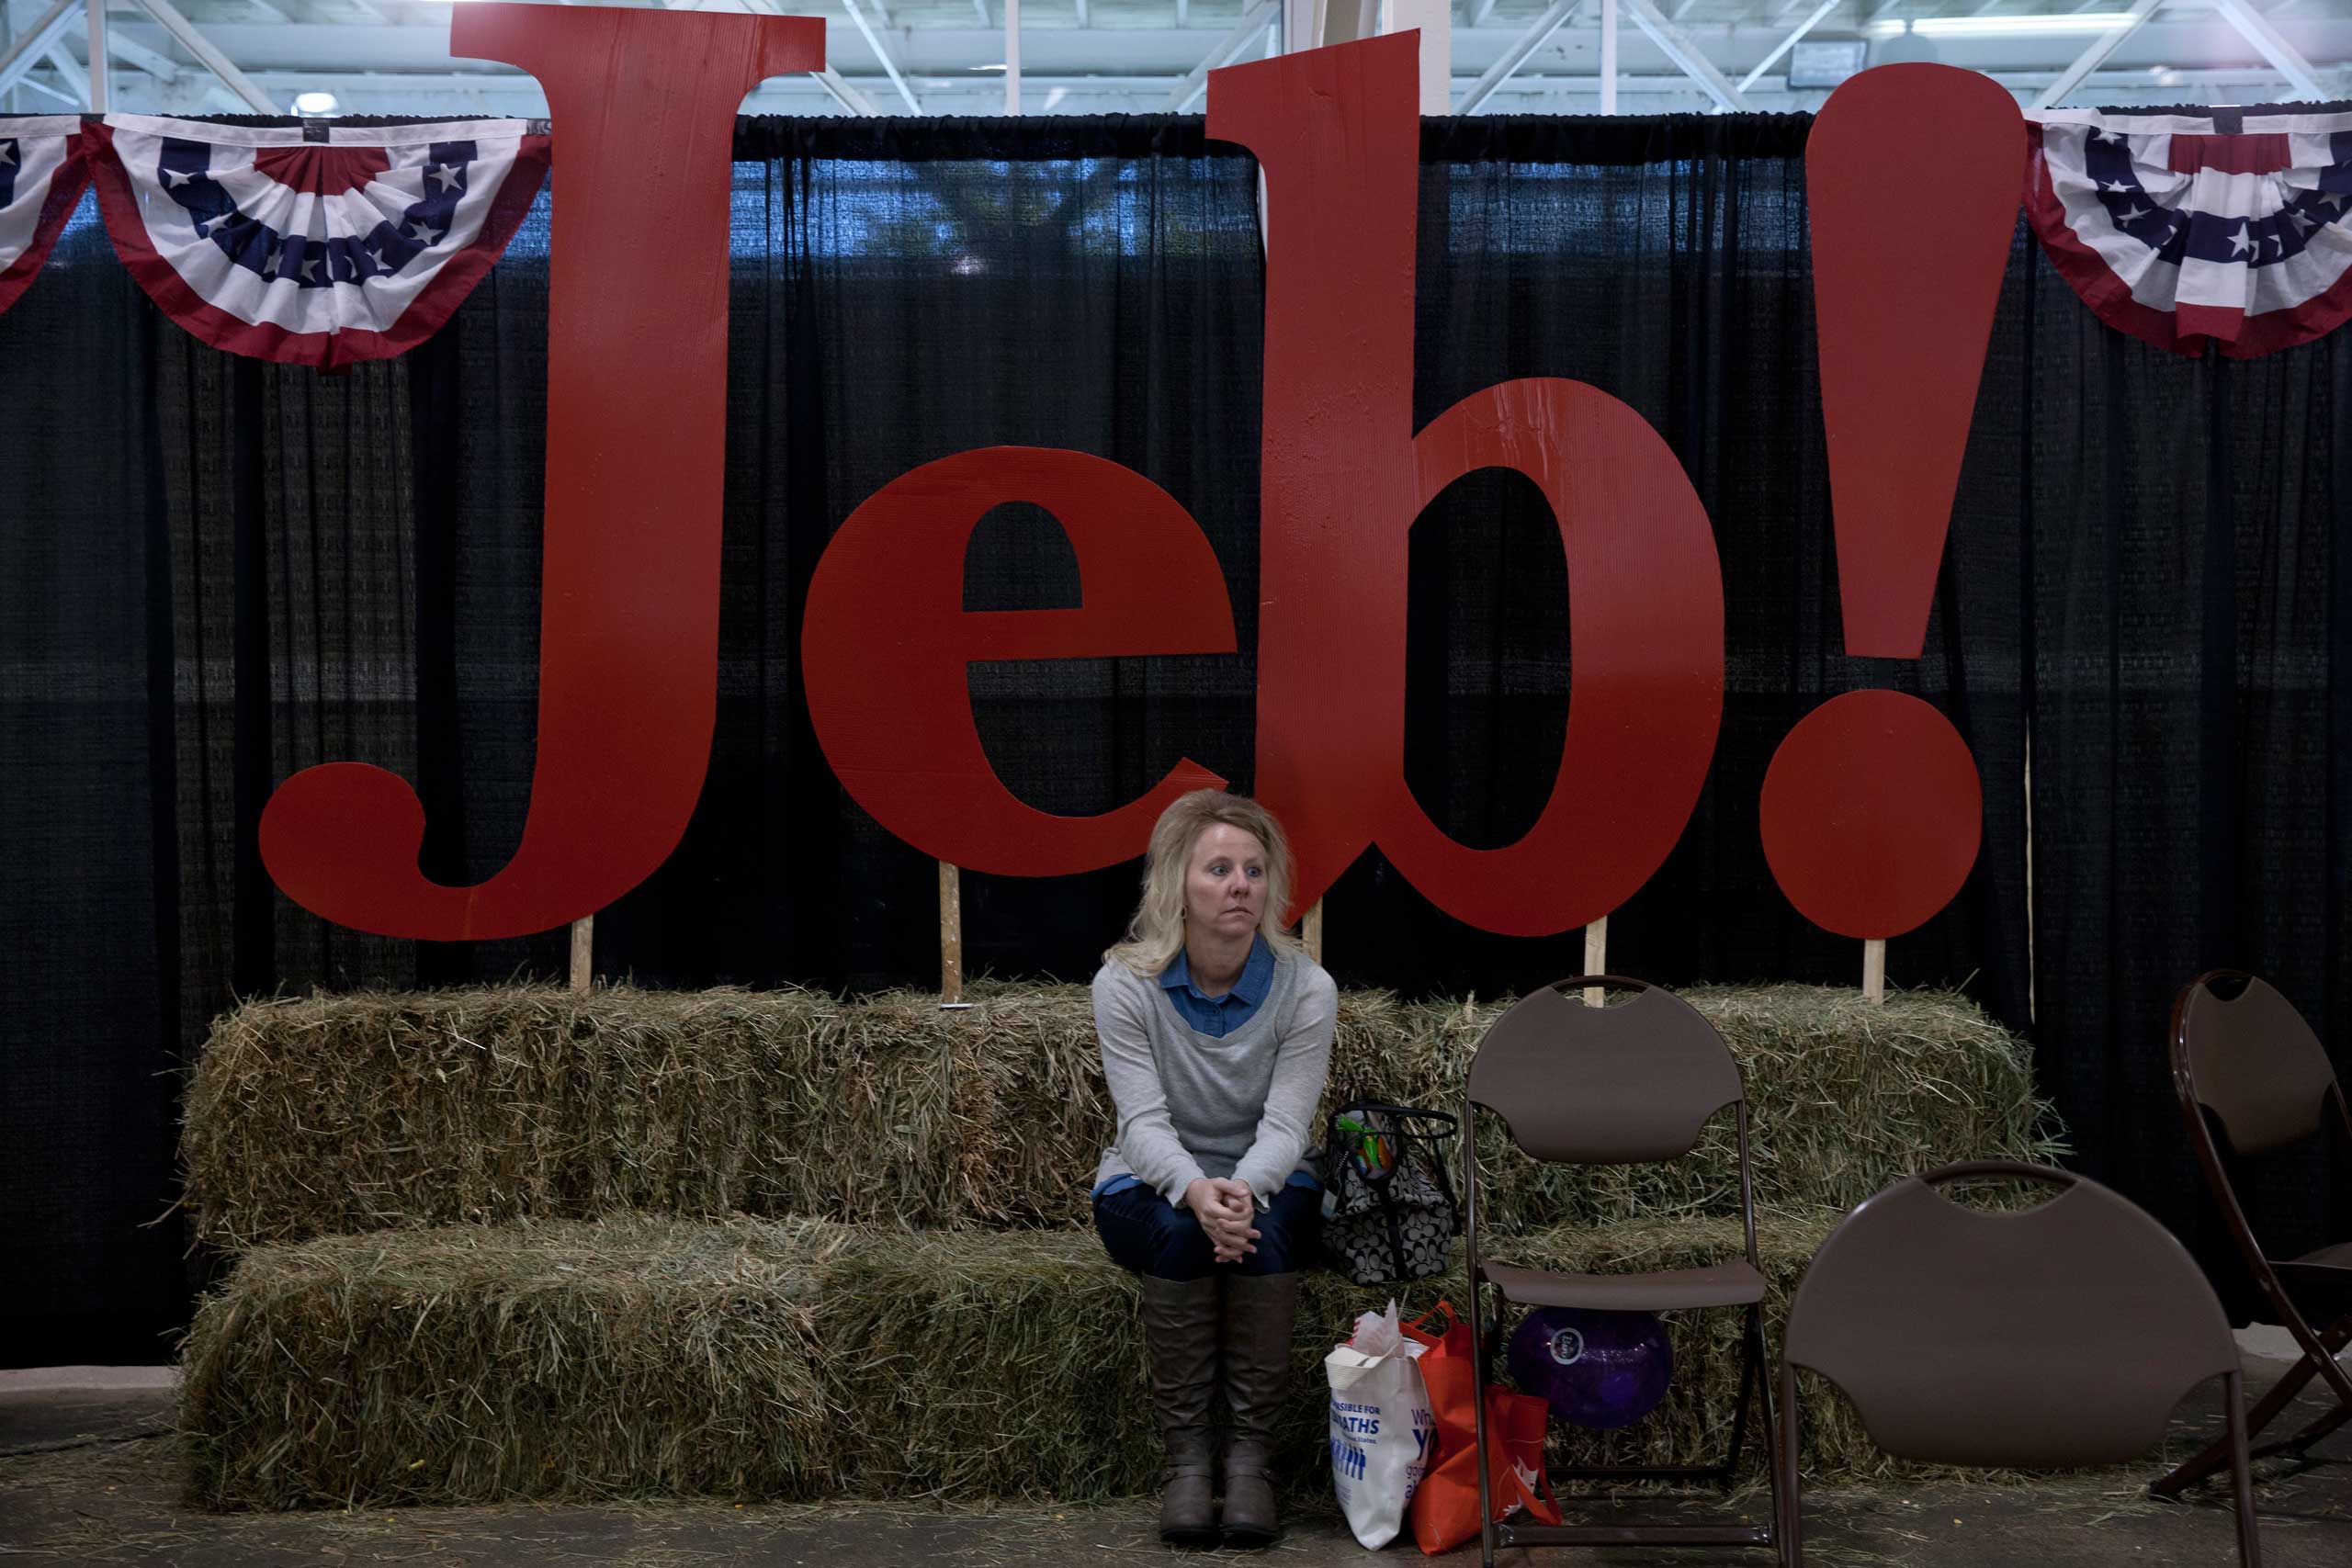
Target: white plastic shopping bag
1381, 1429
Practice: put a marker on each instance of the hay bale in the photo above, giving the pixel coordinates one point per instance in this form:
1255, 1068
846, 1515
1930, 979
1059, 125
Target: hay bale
652, 1358
630, 1358
334, 1115
1018, 1368
353, 1113
965, 1365
1032, 1371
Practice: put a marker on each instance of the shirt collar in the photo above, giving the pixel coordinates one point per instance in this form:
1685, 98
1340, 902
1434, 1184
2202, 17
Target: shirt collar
1258, 974
1256, 978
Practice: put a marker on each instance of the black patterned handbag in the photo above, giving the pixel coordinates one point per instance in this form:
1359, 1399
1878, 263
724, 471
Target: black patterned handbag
1389, 1213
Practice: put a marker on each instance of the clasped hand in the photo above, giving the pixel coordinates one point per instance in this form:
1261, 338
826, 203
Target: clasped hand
1225, 1208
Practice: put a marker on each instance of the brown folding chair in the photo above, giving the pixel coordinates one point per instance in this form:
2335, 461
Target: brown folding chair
2051, 1336
2245, 1062
1627, 1084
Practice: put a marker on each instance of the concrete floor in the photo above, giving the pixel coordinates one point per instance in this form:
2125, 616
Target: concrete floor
91, 1475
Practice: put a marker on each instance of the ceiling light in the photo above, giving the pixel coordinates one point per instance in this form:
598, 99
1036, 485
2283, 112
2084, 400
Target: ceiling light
2078, 22
311, 105
1904, 48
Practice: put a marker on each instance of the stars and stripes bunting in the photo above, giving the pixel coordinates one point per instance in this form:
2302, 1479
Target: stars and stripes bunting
2184, 236
43, 171
310, 244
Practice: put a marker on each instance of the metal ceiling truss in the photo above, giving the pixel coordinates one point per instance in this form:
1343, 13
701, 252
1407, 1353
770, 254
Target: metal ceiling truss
2092, 57
1687, 56
889, 65
89, 83
2258, 30
1225, 52
32, 46
183, 33
919, 56
1788, 42
1539, 33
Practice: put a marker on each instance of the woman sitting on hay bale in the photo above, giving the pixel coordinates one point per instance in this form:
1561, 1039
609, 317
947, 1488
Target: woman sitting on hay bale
1217, 1031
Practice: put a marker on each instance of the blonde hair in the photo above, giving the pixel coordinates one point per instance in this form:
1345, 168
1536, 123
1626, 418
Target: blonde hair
1156, 933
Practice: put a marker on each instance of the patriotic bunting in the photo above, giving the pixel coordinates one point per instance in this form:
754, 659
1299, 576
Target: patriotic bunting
325, 245
42, 175
311, 244
2181, 236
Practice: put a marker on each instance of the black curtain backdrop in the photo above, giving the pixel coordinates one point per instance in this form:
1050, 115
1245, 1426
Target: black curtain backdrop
214, 573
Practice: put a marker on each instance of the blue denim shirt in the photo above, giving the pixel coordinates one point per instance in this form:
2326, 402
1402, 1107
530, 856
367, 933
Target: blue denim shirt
1217, 1017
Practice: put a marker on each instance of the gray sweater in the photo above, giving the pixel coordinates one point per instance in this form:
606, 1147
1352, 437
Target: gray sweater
1192, 1106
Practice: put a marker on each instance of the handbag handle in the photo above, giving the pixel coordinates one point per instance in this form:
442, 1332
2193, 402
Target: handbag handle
1400, 1119
1443, 1305
1408, 1115
1398, 1126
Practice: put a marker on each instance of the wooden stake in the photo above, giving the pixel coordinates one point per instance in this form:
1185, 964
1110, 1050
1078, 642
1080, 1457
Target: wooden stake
1874, 970
951, 936
1310, 931
1596, 959
583, 954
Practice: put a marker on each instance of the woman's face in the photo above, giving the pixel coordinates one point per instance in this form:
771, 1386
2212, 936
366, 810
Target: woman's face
1225, 882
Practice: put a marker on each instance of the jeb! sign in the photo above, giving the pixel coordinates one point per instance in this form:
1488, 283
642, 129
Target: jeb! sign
644, 105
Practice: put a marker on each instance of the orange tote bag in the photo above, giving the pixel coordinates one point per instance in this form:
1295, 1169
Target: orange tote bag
1445, 1505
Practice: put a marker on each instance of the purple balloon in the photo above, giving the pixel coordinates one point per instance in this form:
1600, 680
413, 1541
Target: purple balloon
1595, 1369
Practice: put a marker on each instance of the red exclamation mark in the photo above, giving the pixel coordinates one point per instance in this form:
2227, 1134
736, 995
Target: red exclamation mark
1872, 809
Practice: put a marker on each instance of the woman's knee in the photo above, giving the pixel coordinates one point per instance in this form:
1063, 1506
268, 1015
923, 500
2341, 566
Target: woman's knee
1287, 1233
1151, 1236
1180, 1248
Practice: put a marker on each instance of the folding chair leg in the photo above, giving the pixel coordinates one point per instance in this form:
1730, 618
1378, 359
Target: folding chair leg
1768, 1431
2322, 1349
1478, 1427
2216, 1453
2311, 1434
1788, 1507
1751, 1365
2241, 1473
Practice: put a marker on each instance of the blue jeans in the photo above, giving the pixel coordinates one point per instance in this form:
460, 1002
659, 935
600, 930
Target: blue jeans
1144, 1234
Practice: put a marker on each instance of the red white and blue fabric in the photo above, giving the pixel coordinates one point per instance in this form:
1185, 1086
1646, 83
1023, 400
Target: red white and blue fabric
268, 243
2184, 237
42, 175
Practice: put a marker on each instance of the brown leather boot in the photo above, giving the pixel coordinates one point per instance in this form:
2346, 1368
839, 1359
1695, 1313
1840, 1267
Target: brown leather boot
1180, 1324
1259, 1312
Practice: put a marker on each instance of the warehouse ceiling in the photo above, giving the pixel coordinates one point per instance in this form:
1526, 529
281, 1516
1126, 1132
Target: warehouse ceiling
1148, 56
